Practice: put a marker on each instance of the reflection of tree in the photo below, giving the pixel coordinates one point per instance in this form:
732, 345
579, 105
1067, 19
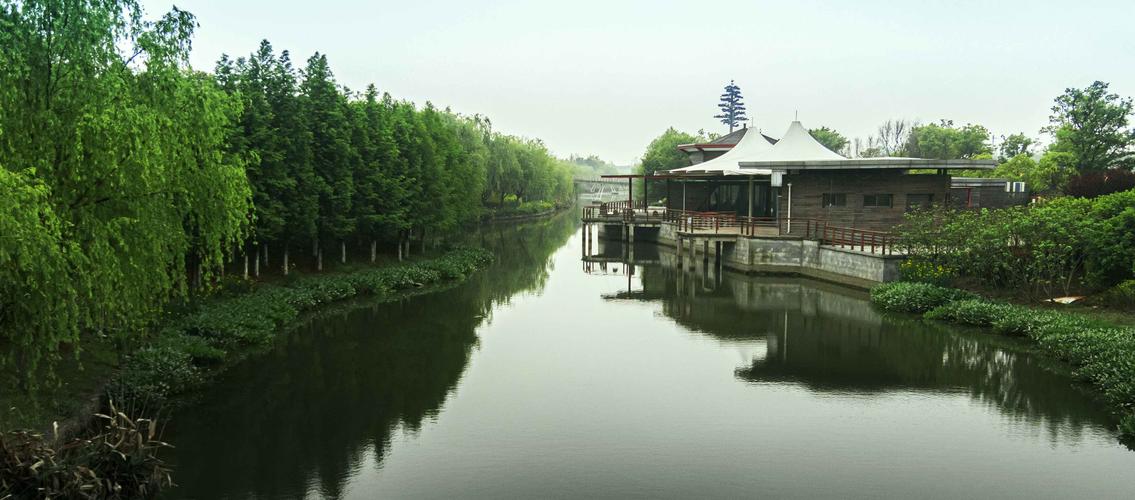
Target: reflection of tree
829, 339
305, 414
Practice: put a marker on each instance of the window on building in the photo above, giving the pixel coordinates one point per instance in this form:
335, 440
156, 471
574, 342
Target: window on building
918, 201
834, 200
878, 200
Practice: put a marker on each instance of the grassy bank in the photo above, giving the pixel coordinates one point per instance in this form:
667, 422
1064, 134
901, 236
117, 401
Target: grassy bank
1100, 352
194, 346
190, 350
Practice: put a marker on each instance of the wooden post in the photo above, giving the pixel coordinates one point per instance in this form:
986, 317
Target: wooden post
750, 196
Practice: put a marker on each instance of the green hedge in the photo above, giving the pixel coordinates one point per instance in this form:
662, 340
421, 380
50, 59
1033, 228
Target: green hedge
902, 296
186, 350
1101, 354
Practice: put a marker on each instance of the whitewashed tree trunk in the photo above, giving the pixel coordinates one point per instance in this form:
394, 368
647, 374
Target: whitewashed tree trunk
256, 265
343, 251
399, 250
319, 260
373, 251
285, 261
245, 265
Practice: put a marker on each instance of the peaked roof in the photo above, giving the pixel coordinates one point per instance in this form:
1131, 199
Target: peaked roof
797, 149
797, 145
750, 146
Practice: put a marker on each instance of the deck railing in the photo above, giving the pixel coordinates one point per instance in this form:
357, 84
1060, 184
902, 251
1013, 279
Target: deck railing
865, 240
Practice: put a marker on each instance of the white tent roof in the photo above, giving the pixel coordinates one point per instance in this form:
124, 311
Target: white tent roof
797, 145
750, 147
754, 155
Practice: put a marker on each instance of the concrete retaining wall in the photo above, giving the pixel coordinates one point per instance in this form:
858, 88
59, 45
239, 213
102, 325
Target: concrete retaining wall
806, 257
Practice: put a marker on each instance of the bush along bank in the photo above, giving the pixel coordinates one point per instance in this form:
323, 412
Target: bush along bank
191, 349
1100, 353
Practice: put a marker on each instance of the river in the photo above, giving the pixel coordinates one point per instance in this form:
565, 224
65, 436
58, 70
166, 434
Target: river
544, 377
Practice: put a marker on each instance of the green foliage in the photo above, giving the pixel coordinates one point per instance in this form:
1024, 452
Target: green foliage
945, 141
974, 312
1043, 250
902, 296
662, 154
923, 271
129, 179
830, 139
117, 154
1015, 145
1121, 296
116, 459
1091, 125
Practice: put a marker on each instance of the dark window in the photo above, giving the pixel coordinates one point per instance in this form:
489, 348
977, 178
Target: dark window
878, 200
834, 200
917, 201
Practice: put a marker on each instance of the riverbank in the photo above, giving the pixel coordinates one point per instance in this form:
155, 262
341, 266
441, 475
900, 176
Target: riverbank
192, 348
1100, 352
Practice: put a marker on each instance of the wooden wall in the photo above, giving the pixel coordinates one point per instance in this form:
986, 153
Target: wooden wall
808, 189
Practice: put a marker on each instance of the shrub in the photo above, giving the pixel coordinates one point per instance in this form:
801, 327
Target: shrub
902, 296
924, 271
118, 459
154, 373
1032, 323
1121, 296
975, 312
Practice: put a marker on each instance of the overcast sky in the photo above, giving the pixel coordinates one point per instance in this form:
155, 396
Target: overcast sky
605, 77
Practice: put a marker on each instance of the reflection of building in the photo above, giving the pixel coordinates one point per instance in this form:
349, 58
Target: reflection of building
829, 339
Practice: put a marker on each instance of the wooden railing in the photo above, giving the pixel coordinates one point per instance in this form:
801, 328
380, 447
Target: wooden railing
864, 240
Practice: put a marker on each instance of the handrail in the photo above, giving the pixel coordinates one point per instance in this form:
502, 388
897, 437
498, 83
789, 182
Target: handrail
865, 240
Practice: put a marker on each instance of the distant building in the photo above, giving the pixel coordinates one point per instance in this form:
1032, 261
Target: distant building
796, 177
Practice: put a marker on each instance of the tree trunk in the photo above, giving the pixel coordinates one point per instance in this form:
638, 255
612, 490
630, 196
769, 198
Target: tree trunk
399, 249
285, 260
245, 265
423, 240
266, 263
343, 251
256, 265
319, 259
407, 242
315, 247
373, 251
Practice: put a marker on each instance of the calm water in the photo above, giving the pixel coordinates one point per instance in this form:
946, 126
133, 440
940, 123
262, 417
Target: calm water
545, 377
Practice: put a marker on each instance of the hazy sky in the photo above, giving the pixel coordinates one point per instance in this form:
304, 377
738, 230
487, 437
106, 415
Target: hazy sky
605, 77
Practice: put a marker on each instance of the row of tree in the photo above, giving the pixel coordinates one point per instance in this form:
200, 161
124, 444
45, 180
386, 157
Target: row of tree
125, 176
335, 167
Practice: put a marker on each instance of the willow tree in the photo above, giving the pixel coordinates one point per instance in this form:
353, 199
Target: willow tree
126, 148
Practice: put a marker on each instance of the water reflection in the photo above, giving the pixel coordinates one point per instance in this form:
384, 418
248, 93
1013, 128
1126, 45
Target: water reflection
539, 378
326, 401
830, 340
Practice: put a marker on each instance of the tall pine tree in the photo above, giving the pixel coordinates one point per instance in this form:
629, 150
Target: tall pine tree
732, 107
